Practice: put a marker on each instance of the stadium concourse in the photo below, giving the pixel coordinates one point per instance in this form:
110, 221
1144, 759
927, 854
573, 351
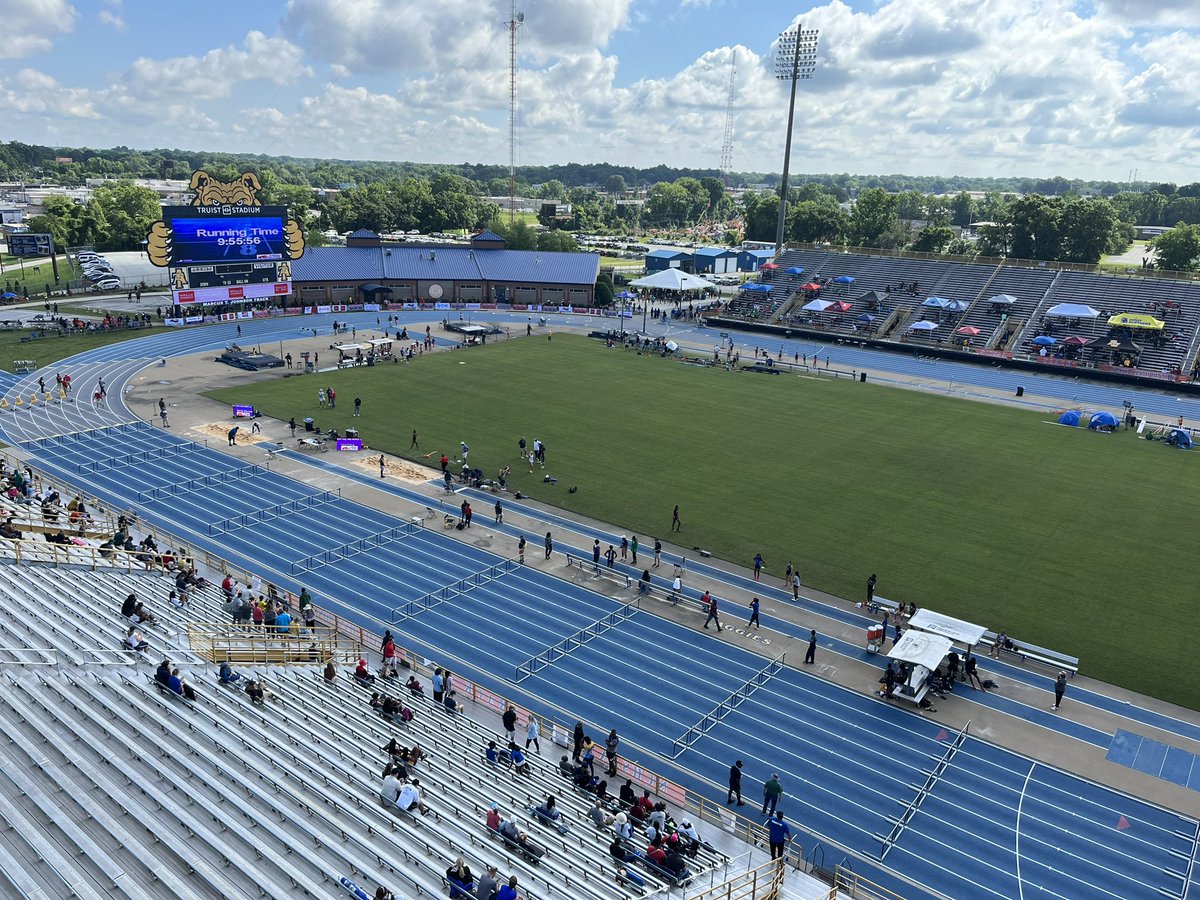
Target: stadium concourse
1056, 820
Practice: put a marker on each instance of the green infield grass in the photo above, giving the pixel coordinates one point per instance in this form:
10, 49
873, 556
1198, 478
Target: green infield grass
1068, 539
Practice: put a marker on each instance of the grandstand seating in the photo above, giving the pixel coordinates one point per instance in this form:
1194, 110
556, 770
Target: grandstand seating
220, 797
1010, 328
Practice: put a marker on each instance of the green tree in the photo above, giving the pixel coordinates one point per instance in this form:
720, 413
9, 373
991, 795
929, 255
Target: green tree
557, 242
55, 226
873, 214
615, 185
553, 190
1036, 232
129, 211
933, 239
911, 205
761, 214
604, 290
810, 221
1087, 228
518, 236
961, 246
1178, 249
962, 210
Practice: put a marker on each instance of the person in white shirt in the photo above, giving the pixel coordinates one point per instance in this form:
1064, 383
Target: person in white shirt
410, 798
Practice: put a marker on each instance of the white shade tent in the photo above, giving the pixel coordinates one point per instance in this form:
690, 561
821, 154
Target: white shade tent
673, 280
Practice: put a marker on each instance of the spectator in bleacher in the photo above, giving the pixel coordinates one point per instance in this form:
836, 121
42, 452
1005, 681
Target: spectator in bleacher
658, 816
520, 840
624, 874
451, 703
257, 613
415, 687
163, 673
310, 617
227, 675
582, 777
778, 832
621, 853
643, 807
493, 817
622, 828
627, 796
255, 691
487, 884
689, 838
227, 587
565, 769
382, 893
460, 879
655, 851
389, 668
509, 720
517, 756
588, 755
269, 613
179, 685
128, 606
410, 798
492, 753
531, 734
549, 812
439, 685
611, 743
135, 640
389, 790
508, 891
415, 755
330, 672
283, 622
58, 538
674, 862
141, 615
600, 815
361, 674
9, 530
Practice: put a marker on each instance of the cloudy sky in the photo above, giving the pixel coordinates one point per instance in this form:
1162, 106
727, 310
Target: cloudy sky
1081, 88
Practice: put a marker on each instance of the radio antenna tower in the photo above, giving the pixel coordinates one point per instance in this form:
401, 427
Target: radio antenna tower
727, 147
515, 21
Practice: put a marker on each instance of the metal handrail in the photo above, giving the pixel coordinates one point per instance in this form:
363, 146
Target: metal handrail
27, 551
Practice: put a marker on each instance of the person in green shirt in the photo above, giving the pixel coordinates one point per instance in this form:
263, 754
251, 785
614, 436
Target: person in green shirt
772, 791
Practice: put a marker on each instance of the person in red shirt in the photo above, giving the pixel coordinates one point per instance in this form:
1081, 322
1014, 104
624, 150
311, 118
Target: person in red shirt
493, 817
656, 854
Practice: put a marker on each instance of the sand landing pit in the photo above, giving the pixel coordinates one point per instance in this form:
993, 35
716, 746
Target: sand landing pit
394, 468
221, 431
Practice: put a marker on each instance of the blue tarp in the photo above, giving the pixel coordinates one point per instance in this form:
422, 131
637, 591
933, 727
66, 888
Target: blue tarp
1102, 420
1044, 340
1070, 417
755, 286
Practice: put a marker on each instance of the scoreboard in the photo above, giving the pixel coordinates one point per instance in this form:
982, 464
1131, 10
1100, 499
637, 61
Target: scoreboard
199, 236
226, 274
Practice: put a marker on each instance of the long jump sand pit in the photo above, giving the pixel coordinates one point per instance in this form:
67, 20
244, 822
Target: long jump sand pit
221, 431
394, 468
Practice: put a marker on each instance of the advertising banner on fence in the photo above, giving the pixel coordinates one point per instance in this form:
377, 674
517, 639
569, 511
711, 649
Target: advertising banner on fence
441, 306
371, 307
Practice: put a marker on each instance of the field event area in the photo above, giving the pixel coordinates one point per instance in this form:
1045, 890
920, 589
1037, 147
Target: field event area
1067, 538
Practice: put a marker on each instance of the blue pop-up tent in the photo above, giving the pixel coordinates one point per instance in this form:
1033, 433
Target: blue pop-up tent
1070, 417
843, 279
1102, 420
1180, 438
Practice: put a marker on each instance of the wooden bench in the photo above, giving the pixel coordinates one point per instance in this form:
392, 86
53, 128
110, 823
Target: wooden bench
1027, 651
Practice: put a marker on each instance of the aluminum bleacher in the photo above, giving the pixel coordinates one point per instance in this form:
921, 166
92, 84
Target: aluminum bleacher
142, 794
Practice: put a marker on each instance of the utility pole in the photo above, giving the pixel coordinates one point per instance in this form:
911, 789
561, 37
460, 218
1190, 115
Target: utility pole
796, 59
515, 20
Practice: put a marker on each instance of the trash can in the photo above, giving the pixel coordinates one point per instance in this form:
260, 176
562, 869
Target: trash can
862, 376
308, 424
1020, 391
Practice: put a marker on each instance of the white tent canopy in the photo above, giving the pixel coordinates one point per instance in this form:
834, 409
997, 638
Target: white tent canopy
673, 280
947, 626
921, 648
818, 305
1074, 311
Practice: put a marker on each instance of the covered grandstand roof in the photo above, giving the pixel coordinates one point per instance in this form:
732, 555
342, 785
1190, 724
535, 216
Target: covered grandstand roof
397, 263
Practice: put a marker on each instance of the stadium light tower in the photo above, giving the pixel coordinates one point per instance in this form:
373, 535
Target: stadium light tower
795, 60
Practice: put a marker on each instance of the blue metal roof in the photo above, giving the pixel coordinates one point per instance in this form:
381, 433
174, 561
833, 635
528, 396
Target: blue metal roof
761, 254
362, 233
442, 263
715, 251
666, 254
538, 267
339, 264
445, 263
488, 235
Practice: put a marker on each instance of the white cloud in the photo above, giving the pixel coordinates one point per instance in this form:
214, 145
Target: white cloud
1140, 14
112, 20
30, 92
214, 74
30, 26
382, 36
